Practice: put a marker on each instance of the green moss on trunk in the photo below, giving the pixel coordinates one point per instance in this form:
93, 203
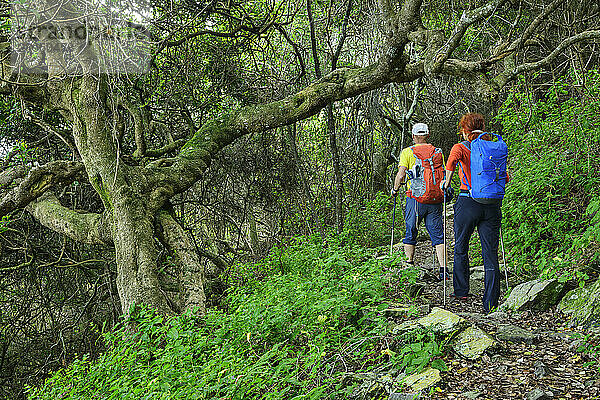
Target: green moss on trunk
96, 182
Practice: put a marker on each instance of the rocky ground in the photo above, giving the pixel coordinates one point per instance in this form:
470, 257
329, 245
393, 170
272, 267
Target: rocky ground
548, 360
542, 360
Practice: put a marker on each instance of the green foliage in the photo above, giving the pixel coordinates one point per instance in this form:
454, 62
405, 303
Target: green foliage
369, 224
590, 348
290, 328
592, 231
561, 268
420, 348
24, 153
554, 147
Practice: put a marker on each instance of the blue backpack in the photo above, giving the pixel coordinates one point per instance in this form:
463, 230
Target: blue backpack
488, 169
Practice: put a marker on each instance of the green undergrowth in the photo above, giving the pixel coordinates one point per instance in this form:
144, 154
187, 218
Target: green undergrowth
551, 219
294, 327
589, 347
369, 223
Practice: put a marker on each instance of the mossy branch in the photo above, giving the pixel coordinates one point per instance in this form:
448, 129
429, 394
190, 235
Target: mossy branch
38, 181
90, 228
340, 84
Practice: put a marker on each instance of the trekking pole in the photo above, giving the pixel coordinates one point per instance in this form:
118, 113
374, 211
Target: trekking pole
393, 222
504, 258
445, 257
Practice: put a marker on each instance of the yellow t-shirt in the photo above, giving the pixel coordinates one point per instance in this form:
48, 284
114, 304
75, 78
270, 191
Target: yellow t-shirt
407, 159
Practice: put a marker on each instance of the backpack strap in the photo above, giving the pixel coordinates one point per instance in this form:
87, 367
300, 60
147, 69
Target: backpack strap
467, 144
463, 179
410, 172
412, 148
490, 133
430, 160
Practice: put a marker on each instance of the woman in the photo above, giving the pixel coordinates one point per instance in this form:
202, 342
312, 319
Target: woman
470, 214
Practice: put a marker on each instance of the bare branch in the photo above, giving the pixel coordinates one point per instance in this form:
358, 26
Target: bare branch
140, 126
296, 51
217, 260
508, 75
313, 39
342, 39
45, 126
530, 30
583, 36
435, 64
340, 84
257, 30
161, 151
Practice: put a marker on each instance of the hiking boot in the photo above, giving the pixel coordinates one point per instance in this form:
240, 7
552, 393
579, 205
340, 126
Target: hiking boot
463, 298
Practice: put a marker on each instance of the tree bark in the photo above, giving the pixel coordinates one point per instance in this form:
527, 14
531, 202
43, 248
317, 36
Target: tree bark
183, 251
37, 182
82, 227
308, 194
119, 186
337, 171
136, 256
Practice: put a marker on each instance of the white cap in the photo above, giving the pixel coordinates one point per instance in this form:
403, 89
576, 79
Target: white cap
420, 129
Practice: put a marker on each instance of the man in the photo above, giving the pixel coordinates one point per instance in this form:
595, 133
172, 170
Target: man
424, 166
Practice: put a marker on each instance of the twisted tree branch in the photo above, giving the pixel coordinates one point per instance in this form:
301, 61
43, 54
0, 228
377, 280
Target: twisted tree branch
38, 181
90, 228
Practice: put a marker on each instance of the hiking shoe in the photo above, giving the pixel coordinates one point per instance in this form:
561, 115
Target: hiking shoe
452, 295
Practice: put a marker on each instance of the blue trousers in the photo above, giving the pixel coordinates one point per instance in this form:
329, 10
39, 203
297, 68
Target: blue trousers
431, 213
468, 215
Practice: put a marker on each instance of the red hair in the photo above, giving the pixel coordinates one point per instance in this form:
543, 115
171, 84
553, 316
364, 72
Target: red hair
471, 122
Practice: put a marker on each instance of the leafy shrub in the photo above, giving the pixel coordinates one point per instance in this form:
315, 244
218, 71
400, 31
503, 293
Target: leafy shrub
589, 347
419, 349
291, 333
369, 224
554, 146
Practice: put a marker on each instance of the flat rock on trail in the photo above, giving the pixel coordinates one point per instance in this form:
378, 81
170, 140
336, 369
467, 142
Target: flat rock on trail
546, 362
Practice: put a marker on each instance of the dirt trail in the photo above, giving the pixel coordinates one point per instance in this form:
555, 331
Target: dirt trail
551, 363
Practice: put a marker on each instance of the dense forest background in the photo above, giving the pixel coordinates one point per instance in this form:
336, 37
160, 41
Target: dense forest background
280, 223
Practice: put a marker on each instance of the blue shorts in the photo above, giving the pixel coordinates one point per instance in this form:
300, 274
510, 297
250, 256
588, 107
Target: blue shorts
432, 213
